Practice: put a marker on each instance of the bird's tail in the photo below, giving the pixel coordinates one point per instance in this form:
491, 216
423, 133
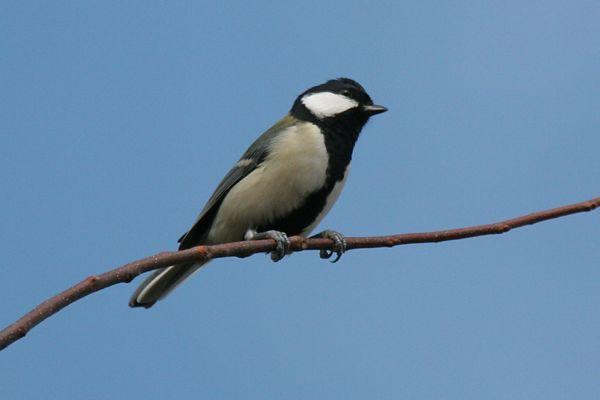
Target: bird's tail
161, 283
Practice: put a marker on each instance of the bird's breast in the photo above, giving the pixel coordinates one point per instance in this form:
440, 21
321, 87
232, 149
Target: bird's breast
295, 167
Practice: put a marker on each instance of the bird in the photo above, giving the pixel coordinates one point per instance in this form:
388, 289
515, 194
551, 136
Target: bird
283, 185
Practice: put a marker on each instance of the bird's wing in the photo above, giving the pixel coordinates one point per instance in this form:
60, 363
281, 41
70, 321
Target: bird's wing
255, 154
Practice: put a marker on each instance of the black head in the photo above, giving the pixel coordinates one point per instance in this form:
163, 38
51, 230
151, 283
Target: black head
339, 101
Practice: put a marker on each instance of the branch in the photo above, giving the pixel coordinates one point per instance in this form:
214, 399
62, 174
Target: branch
128, 272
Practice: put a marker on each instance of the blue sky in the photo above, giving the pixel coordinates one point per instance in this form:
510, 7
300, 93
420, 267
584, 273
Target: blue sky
117, 120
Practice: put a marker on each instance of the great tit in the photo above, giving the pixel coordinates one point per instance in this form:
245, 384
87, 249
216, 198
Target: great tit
283, 185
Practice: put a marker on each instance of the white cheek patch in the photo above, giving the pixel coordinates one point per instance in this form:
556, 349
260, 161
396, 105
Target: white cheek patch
327, 104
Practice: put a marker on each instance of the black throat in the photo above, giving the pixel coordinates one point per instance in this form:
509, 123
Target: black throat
340, 138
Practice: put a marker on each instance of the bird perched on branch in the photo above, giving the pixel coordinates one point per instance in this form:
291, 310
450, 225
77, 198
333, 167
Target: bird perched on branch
283, 185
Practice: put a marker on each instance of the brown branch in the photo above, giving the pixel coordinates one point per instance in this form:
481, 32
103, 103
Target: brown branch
128, 272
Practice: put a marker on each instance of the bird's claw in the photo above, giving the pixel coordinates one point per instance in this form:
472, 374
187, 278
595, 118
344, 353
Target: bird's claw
339, 245
283, 243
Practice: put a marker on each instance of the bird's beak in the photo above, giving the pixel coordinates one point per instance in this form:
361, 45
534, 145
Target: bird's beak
374, 110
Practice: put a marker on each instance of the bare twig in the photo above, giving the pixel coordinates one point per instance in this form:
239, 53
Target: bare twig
128, 272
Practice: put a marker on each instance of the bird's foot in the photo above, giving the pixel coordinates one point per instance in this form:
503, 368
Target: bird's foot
339, 244
283, 243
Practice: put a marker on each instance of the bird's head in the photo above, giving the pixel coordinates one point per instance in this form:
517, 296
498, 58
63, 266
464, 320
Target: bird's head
341, 100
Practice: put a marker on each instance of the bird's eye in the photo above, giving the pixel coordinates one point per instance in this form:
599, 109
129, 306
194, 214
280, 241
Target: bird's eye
346, 92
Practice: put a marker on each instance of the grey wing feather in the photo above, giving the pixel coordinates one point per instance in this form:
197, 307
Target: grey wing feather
255, 154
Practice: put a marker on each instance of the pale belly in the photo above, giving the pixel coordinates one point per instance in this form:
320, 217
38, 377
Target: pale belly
296, 167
